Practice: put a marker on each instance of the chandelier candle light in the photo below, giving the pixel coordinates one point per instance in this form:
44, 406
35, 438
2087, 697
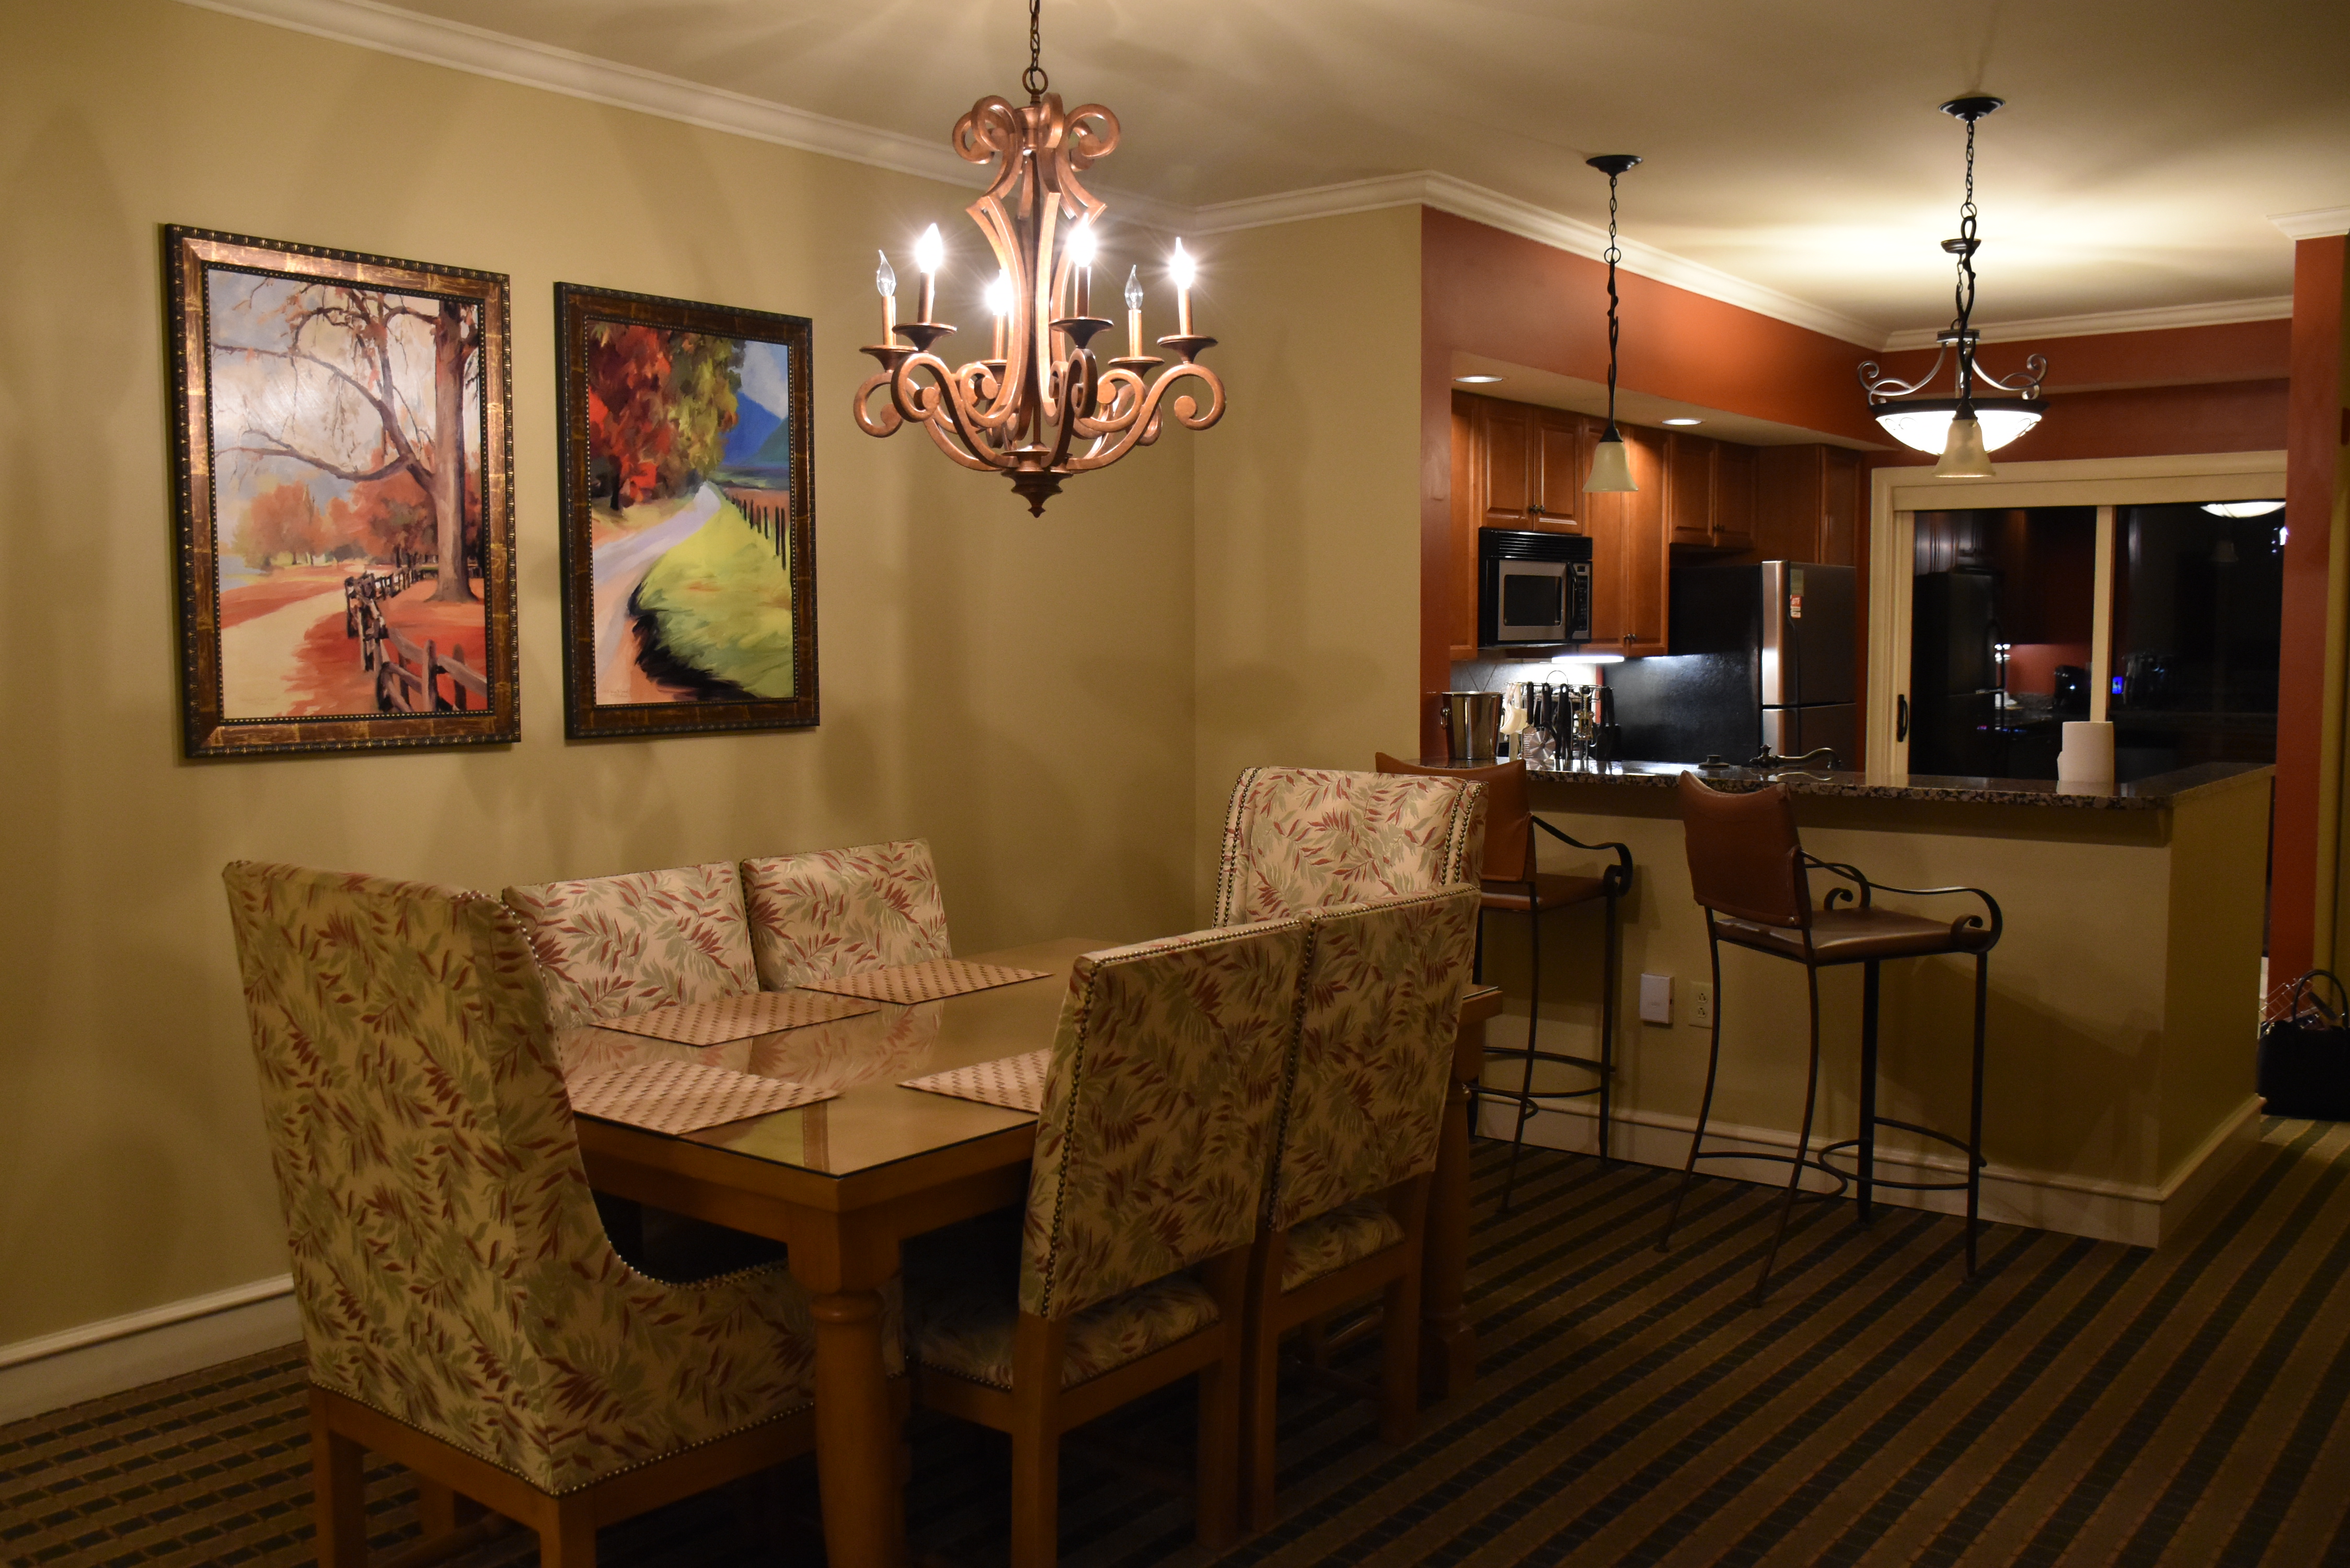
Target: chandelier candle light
1966, 429
1042, 407
1611, 470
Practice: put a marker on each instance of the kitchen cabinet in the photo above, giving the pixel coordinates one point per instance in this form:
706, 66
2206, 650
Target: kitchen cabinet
1808, 505
1708, 491
1528, 467
1631, 560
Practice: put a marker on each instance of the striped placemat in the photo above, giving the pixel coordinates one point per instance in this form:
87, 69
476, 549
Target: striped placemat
1014, 1083
739, 1017
671, 1096
931, 981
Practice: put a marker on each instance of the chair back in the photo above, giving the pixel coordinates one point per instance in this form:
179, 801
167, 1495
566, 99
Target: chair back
830, 912
611, 946
1365, 1106
1158, 1111
1744, 859
449, 1264
1509, 812
1300, 839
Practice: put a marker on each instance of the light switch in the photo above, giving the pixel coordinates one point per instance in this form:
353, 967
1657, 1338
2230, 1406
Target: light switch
1656, 999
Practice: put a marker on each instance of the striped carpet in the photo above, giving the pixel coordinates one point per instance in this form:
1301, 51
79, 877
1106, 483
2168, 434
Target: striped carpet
2080, 1402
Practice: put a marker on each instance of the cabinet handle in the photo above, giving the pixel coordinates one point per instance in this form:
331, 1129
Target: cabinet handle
1900, 717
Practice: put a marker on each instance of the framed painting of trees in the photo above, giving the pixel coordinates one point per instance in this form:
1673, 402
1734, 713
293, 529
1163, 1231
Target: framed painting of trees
688, 531
346, 524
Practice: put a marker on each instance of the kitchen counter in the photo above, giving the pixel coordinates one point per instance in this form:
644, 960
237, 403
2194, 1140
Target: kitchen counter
2124, 993
2150, 794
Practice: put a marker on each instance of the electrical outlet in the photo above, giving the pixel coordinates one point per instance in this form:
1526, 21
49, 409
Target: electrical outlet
1656, 999
1701, 1004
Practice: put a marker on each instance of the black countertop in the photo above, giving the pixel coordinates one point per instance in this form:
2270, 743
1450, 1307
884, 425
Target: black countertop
2153, 793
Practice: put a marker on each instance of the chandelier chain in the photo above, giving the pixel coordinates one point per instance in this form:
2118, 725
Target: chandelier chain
1965, 288
1033, 79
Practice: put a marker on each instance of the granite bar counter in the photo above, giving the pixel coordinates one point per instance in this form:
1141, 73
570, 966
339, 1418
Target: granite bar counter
2124, 994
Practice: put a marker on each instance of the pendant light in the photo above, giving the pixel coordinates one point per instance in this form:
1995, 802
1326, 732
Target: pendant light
1964, 429
1610, 468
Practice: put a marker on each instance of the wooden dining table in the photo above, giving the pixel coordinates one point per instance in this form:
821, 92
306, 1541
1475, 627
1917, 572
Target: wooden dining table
845, 1181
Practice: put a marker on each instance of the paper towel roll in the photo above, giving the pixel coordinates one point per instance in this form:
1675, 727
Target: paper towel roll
2088, 753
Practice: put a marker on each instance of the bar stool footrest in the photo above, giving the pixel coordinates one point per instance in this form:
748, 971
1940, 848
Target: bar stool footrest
1842, 1180
1961, 1185
1519, 1054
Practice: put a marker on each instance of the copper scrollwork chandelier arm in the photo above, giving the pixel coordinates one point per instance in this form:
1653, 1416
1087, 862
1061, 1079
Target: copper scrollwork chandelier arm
1043, 406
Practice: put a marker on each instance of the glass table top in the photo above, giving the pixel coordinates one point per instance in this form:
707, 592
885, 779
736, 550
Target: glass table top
872, 1120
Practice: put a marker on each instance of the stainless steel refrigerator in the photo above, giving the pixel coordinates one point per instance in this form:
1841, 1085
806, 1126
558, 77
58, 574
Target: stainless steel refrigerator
1762, 656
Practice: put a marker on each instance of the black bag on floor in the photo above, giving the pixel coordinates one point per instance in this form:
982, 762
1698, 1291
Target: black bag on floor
2305, 1054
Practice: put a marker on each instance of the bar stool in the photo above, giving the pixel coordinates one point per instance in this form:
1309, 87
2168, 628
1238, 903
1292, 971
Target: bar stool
1749, 872
1510, 882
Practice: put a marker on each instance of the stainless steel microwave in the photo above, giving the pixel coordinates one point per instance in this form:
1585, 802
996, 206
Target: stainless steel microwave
1535, 589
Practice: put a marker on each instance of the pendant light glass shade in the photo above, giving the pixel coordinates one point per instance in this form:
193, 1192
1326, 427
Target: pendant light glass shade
1963, 456
1611, 468
1928, 428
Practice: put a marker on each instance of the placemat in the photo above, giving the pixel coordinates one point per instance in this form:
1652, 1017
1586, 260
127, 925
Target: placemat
1014, 1083
739, 1017
931, 981
675, 1096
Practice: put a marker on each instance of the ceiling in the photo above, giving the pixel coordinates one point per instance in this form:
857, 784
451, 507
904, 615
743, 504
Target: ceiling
1793, 145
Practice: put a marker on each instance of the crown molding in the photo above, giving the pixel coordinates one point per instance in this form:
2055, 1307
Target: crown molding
504, 57
2164, 318
2315, 224
1482, 204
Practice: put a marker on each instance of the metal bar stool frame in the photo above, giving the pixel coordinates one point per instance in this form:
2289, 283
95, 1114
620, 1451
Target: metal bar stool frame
1504, 802
1968, 934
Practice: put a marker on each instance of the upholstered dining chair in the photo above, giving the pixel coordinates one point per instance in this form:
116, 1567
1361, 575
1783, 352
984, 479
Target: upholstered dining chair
611, 946
1346, 1204
1513, 883
461, 1311
1297, 839
1151, 1150
830, 912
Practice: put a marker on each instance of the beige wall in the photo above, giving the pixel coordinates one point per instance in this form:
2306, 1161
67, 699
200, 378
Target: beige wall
1308, 515
1019, 691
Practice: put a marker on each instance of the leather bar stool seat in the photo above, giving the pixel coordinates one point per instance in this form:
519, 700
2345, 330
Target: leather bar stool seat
1858, 936
1551, 890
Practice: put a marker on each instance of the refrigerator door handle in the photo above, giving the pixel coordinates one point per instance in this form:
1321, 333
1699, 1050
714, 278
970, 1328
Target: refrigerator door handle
1900, 717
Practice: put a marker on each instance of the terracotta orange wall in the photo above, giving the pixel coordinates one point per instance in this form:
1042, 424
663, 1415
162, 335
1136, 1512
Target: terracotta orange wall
2314, 438
1484, 291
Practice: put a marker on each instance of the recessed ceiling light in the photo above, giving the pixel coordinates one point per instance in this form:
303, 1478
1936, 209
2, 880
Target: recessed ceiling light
1684, 422
1476, 380
2242, 508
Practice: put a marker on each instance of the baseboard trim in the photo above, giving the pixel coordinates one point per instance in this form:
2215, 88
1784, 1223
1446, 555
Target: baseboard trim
94, 1360
2139, 1215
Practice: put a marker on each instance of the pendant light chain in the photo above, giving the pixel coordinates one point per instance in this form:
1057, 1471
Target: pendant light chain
1966, 246
1033, 79
1614, 254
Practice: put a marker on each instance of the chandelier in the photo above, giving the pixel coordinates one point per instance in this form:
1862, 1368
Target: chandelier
1966, 429
1042, 407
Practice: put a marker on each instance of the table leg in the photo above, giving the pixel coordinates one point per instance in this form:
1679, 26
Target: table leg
857, 1458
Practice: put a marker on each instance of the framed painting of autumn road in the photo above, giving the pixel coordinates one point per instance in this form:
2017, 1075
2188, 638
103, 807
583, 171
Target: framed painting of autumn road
345, 516
689, 533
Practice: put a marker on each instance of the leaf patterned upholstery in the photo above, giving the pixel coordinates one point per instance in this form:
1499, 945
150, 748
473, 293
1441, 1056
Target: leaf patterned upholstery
1328, 1243
1298, 839
448, 1262
968, 1324
1158, 1111
831, 912
1364, 1105
611, 946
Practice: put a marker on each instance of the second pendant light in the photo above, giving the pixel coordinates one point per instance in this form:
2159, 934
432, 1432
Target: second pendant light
1611, 470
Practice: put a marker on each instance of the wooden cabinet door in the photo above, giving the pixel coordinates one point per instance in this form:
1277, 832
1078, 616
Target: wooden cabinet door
1690, 484
1559, 460
1507, 452
1648, 560
1734, 496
